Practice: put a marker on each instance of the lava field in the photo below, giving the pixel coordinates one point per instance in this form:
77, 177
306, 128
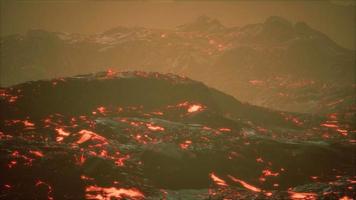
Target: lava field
137, 135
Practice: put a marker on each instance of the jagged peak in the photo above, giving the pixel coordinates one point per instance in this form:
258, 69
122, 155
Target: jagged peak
121, 29
277, 20
110, 74
302, 27
203, 23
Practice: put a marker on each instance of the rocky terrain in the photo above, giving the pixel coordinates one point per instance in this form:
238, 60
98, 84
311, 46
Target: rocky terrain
275, 64
139, 135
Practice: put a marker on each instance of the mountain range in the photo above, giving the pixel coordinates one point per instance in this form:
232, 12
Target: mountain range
274, 64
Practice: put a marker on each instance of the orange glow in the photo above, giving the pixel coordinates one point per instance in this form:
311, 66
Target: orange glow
154, 128
329, 125
110, 73
49, 188
217, 180
346, 198
12, 164
185, 144
61, 132
342, 132
268, 194
120, 162
267, 172
302, 195
82, 159
103, 193
244, 184
225, 129
37, 153
101, 109
87, 135
256, 82
83, 177
28, 124
194, 108
157, 113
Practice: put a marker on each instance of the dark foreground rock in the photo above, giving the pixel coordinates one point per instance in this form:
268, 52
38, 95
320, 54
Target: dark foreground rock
151, 136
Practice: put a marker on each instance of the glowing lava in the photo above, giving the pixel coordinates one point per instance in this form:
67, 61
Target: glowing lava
244, 184
217, 180
267, 172
102, 193
302, 195
195, 108
88, 135
49, 188
154, 128
120, 161
185, 144
37, 153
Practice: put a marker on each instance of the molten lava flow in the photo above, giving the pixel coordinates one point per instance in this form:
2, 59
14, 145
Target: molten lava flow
49, 188
158, 113
302, 195
37, 153
110, 73
28, 124
120, 161
256, 82
83, 177
101, 109
342, 132
267, 172
10, 98
87, 135
244, 184
346, 198
268, 194
329, 125
61, 132
194, 108
185, 144
12, 164
154, 128
81, 159
224, 129
102, 193
217, 180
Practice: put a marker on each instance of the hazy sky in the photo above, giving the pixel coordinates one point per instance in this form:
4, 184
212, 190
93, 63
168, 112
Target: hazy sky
335, 18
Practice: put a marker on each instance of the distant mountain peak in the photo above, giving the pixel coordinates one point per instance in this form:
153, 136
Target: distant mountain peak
277, 20
203, 23
121, 29
303, 28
